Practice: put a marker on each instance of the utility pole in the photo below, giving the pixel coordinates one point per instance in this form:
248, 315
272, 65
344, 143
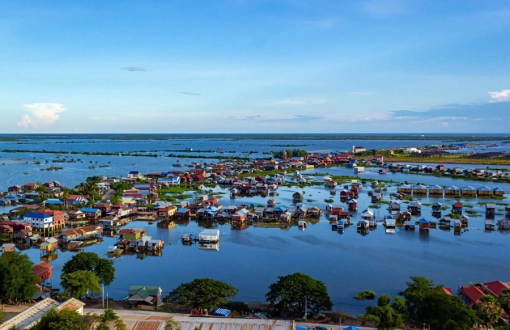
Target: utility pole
103, 295
306, 307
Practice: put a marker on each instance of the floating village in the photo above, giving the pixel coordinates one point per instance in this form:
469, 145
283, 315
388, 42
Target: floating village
51, 216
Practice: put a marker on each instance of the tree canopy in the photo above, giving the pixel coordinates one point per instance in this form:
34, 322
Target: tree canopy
90, 261
489, 310
80, 283
202, 293
365, 295
291, 292
64, 319
433, 306
110, 319
16, 278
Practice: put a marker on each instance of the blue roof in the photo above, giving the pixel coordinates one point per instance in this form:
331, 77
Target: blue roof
423, 220
222, 312
53, 202
182, 209
351, 327
37, 215
89, 210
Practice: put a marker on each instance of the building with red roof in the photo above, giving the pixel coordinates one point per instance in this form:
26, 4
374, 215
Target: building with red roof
43, 270
470, 294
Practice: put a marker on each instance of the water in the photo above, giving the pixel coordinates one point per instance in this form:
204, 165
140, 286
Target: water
253, 258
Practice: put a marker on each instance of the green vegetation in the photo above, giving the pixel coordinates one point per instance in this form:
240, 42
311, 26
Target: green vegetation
291, 153
80, 283
292, 292
64, 319
202, 293
90, 261
365, 295
17, 282
108, 320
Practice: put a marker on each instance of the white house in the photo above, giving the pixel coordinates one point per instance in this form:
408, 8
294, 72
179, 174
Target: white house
413, 150
39, 220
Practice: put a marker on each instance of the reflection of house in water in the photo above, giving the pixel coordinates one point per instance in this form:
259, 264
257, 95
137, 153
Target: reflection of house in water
209, 246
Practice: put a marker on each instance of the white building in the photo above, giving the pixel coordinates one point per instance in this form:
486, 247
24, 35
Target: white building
39, 220
413, 150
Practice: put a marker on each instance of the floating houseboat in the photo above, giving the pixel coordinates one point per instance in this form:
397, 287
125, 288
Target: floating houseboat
330, 183
394, 206
445, 223
389, 221
341, 226
409, 225
436, 208
424, 224
490, 210
457, 208
187, 239
209, 236
302, 224
503, 224
489, 225
362, 225
368, 215
414, 207
457, 224
353, 205
359, 170
498, 191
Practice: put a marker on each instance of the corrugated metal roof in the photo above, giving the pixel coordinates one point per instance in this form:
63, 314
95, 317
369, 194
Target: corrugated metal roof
30, 315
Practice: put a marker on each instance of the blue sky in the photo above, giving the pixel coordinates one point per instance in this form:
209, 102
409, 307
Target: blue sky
255, 66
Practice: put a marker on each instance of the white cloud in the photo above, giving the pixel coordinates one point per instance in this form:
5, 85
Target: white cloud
502, 96
299, 102
41, 114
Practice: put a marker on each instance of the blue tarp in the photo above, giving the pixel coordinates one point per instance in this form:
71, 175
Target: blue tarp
222, 312
301, 328
351, 328
423, 220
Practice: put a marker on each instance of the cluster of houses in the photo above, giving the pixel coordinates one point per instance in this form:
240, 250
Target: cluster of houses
476, 172
451, 191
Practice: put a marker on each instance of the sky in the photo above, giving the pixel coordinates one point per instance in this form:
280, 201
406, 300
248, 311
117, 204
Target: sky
255, 66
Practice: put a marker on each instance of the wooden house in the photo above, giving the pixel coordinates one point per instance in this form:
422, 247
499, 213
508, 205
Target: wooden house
80, 234
468, 191
498, 191
464, 220
300, 211
91, 213
131, 234
241, 215
452, 191
424, 224
490, 210
367, 214
297, 196
406, 189
394, 206
336, 209
355, 191
489, 225
485, 191
43, 271
436, 207
403, 216
182, 213
49, 245
414, 207
457, 208
503, 224
420, 190
8, 247
445, 223
353, 205
167, 212
271, 202
436, 190
314, 212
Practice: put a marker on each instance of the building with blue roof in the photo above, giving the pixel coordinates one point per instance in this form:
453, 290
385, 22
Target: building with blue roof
39, 220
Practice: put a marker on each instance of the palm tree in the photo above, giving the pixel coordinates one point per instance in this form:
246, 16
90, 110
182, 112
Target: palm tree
489, 310
504, 300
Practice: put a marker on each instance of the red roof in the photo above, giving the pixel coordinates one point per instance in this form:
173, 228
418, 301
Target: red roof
41, 268
73, 197
496, 287
473, 292
458, 204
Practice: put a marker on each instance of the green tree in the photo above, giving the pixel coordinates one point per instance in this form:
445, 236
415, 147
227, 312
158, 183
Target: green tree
292, 292
108, 319
80, 283
365, 295
433, 306
64, 319
399, 305
172, 325
489, 310
202, 293
17, 282
504, 300
91, 261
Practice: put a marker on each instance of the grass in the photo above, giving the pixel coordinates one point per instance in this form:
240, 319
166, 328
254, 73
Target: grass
174, 190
